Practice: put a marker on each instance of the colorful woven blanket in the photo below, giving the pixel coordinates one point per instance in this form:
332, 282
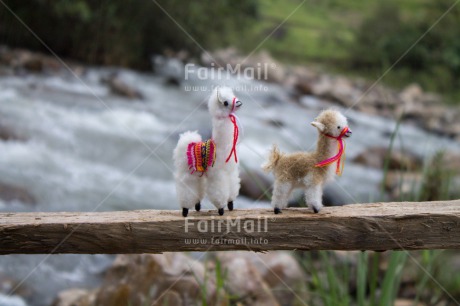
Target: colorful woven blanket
201, 155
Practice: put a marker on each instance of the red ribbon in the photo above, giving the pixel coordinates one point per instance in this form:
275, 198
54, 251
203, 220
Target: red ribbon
235, 133
338, 157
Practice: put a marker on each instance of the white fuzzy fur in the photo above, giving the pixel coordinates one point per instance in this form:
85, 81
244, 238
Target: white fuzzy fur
221, 183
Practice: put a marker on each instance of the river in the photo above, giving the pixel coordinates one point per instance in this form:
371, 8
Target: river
84, 148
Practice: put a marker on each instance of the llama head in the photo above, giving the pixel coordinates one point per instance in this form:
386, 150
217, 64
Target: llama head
223, 102
331, 122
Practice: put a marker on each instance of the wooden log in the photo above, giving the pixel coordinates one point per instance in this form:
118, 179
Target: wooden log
376, 226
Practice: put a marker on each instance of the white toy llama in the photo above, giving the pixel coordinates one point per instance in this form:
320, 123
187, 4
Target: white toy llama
310, 170
211, 167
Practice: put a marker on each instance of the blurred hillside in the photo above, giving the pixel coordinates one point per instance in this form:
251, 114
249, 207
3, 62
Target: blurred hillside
367, 37
356, 37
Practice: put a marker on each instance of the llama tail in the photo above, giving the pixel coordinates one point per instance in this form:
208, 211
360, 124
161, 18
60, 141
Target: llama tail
273, 159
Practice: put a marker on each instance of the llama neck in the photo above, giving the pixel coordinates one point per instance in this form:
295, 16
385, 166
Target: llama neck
326, 147
222, 134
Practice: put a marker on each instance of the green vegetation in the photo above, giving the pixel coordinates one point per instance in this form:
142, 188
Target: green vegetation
370, 278
356, 37
123, 33
426, 51
318, 30
366, 38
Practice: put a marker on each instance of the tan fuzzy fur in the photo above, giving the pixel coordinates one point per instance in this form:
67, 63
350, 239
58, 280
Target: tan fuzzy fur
298, 169
295, 166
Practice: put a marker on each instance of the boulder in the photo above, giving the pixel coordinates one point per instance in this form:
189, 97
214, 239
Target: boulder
141, 279
372, 157
9, 298
26, 60
8, 283
256, 185
336, 89
10, 193
7, 133
245, 281
75, 297
148, 279
270, 279
303, 85
411, 94
171, 68
451, 130
283, 274
322, 87
452, 161
221, 57
300, 79
344, 92
119, 87
33, 63
422, 114
398, 183
332, 196
177, 279
375, 157
270, 69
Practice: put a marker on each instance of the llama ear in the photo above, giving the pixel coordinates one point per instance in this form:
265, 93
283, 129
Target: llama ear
319, 126
218, 95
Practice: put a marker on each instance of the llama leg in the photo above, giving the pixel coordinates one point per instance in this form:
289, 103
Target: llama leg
189, 192
217, 190
313, 197
201, 192
281, 192
234, 185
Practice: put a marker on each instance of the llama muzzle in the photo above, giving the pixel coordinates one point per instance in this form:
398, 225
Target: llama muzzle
348, 133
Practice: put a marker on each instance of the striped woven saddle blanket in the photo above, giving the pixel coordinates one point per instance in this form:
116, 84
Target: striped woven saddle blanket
201, 156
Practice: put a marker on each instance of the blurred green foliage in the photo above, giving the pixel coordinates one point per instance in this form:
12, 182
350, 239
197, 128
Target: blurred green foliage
425, 50
358, 37
365, 38
126, 32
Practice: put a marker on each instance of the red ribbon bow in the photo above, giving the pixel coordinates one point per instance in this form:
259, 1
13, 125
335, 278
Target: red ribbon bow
235, 133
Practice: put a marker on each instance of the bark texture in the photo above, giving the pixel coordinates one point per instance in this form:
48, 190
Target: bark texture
375, 226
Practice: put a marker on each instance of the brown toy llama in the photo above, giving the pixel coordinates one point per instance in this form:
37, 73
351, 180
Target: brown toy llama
310, 170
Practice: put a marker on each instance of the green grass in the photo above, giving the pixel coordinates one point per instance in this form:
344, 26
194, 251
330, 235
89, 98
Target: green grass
376, 279
331, 279
321, 33
317, 31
